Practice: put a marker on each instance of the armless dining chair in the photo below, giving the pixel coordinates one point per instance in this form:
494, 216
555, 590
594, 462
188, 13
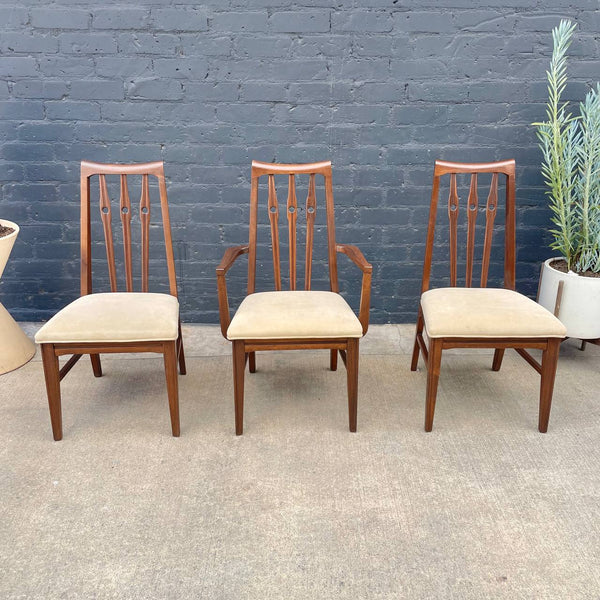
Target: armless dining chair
481, 317
126, 321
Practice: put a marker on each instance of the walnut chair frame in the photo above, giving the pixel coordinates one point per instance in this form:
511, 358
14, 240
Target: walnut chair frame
172, 350
244, 350
432, 355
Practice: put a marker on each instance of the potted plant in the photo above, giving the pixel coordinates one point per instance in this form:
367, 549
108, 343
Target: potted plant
570, 146
15, 347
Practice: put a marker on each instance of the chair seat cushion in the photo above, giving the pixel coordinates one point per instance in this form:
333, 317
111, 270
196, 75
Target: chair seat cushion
487, 313
114, 317
294, 314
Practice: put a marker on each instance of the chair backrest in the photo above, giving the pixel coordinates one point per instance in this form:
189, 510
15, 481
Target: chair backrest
145, 170
270, 170
451, 169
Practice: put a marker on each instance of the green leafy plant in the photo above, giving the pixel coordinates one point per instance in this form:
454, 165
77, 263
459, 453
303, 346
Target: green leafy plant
570, 147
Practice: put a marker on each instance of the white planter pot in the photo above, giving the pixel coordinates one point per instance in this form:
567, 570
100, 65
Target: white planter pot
15, 347
580, 301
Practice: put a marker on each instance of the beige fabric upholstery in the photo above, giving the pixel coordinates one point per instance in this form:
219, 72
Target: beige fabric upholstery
114, 317
486, 312
294, 314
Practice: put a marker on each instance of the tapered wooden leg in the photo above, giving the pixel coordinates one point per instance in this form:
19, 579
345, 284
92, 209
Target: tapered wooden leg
549, 363
333, 358
180, 353
416, 350
52, 376
96, 365
252, 362
170, 356
433, 376
239, 366
583, 344
352, 378
498, 356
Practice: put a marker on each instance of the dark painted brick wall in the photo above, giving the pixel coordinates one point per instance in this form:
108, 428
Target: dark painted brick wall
382, 87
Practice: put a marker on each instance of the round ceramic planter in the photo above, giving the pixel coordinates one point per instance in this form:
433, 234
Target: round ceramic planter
580, 301
15, 347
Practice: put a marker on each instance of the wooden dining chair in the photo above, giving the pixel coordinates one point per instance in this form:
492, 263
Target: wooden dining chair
127, 321
299, 318
481, 317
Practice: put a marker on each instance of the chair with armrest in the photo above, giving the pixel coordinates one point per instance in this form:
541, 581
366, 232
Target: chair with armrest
294, 319
481, 317
98, 323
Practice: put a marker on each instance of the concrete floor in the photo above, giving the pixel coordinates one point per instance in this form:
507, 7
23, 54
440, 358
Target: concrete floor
297, 507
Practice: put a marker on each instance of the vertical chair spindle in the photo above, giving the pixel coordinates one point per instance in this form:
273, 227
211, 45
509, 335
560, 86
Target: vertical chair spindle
292, 207
472, 205
105, 215
273, 219
125, 206
145, 222
311, 213
490, 215
453, 217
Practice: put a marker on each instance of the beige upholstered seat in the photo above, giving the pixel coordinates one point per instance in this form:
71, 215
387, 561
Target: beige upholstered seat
487, 313
114, 317
294, 315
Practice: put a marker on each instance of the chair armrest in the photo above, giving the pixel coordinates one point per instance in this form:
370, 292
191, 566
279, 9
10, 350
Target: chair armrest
357, 257
230, 256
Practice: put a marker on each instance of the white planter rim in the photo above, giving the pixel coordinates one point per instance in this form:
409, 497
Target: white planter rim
6, 223
568, 273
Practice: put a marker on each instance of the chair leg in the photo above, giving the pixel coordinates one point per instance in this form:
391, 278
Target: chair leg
252, 362
498, 356
52, 377
180, 353
433, 376
416, 350
352, 378
549, 364
96, 365
239, 366
170, 358
333, 358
